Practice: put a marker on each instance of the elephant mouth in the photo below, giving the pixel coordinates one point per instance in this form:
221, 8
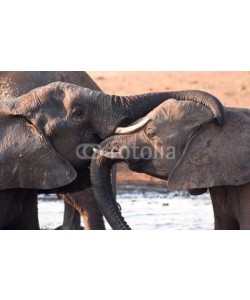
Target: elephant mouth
135, 168
136, 165
143, 166
159, 173
162, 177
150, 170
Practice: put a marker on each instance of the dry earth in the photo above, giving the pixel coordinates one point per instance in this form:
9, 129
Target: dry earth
232, 88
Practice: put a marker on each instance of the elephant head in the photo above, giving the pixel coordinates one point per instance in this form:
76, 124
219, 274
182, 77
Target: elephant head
43, 128
179, 142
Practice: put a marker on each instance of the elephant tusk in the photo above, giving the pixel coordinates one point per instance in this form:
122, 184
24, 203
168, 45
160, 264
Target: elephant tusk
132, 128
107, 154
97, 151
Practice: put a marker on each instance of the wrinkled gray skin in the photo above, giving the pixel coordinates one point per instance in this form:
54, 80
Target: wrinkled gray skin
41, 130
14, 84
190, 152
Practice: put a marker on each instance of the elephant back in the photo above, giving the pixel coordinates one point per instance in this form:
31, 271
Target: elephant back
15, 84
216, 156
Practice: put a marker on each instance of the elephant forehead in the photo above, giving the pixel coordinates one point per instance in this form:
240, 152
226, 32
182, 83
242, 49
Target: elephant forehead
176, 110
75, 95
60, 97
67, 92
166, 111
57, 90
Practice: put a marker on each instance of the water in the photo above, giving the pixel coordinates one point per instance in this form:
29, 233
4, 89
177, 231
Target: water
150, 210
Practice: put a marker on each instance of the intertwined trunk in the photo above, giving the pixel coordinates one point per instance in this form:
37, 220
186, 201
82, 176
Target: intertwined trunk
123, 110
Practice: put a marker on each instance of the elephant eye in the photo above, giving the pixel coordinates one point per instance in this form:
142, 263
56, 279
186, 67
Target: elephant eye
78, 112
150, 132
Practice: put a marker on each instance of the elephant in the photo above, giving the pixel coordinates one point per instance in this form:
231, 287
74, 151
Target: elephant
179, 142
14, 84
42, 130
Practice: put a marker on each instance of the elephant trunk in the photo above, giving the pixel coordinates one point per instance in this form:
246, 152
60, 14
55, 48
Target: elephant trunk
127, 109
101, 179
147, 102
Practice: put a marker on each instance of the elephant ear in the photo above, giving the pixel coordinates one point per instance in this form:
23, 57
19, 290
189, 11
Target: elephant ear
28, 160
216, 156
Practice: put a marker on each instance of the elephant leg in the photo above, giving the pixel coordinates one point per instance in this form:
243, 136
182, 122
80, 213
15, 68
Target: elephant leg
85, 204
10, 208
224, 213
18, 209
71, 218
29, 216
91, 214
243, 195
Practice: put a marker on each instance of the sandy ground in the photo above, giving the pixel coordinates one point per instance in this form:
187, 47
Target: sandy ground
232, 88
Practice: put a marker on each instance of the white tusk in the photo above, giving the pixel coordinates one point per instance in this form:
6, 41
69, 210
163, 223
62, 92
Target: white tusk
97, 151
110, 155
134, 127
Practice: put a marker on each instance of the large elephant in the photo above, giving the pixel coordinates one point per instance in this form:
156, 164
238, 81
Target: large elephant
41, 131
15, 84
179, 142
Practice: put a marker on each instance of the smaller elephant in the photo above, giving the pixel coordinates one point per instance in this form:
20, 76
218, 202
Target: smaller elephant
179, 142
